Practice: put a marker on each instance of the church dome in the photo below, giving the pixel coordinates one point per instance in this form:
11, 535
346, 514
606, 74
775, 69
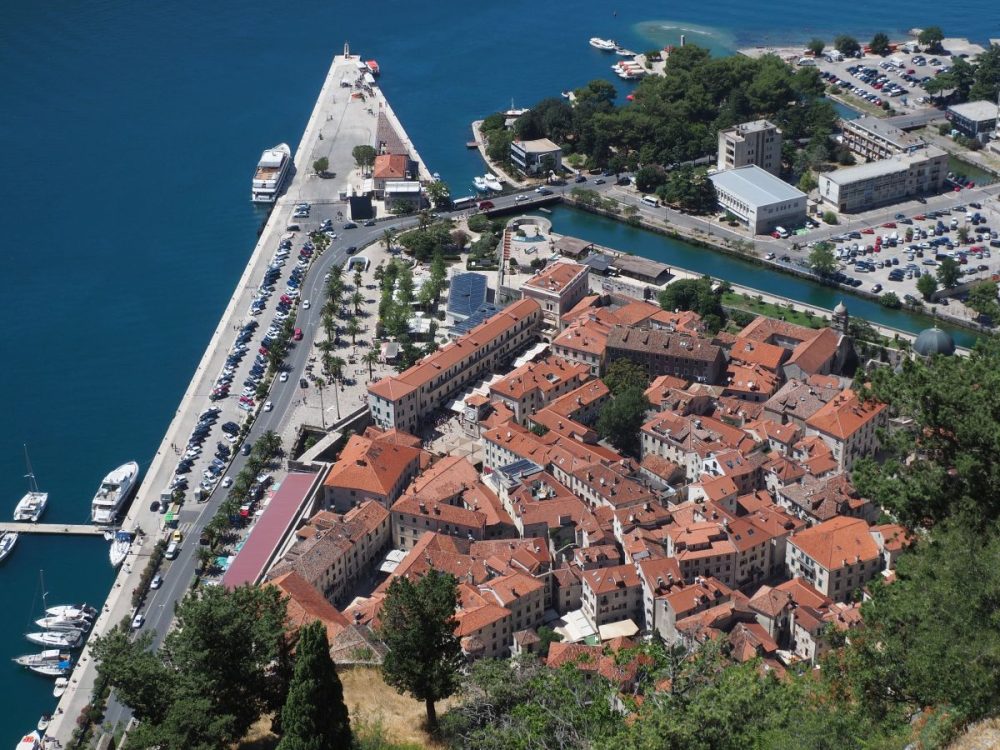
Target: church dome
933, 341
840, 309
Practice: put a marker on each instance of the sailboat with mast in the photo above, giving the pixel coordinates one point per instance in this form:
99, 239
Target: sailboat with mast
60, 631
32, 505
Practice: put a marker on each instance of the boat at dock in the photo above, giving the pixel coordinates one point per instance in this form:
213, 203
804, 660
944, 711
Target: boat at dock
272, 169
80, 624
493, 183
60, 669
60, 687
120, 547
605, 45
7, 541
30, 741
49, 656
628, 70
115, 489
32, 505
480, 184
56, 638
45, 720
72, 610
622, 52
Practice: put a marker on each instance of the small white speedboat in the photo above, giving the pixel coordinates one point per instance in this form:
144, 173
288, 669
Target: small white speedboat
480, 184
493, 183
7, 541
30, 741
44, 721
60, 687
605, 45
72, 611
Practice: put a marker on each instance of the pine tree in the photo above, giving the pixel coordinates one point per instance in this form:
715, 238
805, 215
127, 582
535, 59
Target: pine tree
418, 626
314, 716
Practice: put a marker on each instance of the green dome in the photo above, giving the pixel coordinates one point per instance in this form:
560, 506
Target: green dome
933, 341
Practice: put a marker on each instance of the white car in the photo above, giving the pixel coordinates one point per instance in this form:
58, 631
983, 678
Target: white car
137, 621
156, 582
305, 305
520, 198
227, 482
268, 406
284, 377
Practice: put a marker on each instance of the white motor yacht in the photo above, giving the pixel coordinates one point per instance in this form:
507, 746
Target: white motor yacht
270, 173
480, 184
605, 45
493, 183
114, 491
120, 547
72, 610
30, 741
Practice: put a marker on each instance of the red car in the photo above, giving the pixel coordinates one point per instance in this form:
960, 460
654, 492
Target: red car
298, 334
890, 225
919, 217
869, 230
485, 205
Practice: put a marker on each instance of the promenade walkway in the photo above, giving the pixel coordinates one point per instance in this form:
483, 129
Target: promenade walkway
343, 123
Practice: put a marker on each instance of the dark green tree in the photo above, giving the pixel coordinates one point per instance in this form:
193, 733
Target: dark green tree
847, 45
822, 260
931, 38
948, 273
697, 295
314, 716
927, 285
983, 299
621, 420
816, 46
364, 156
944, 466
418, 626
649, 178
623, 374
321, 165
879, 45
987, 75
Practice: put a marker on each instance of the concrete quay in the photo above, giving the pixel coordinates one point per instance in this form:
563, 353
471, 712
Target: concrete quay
337, 124
52, 528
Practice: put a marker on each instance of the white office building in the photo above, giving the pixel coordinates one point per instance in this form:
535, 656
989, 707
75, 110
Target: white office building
757, 142
879, 183
759, 199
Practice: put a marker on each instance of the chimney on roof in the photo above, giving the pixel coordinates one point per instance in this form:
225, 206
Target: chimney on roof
357, 618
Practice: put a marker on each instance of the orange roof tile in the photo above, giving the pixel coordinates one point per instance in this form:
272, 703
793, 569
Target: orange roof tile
603, 580
371, 466
306, 605
556, 276
815, 353
433, 365
752, 352
837, 542
845, 415
390, 166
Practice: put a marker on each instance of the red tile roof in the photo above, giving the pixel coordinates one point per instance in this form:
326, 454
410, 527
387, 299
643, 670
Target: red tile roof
845, 415
555, 277
838, 542
390, 166
371, 466
306, 605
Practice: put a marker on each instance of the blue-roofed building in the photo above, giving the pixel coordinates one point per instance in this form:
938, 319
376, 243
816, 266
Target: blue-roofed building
479, 315
466, 294
759, 199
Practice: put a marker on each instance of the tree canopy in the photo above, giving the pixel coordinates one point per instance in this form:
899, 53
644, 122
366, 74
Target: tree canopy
983, 299
879, 45
418, 626
620, 420
314, 716
847, 45
931, 37
364, 155
822, 260
219, 670
948, 273
623, 374
699, 296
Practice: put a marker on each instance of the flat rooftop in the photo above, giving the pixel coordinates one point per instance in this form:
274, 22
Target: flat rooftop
872, 169
756, 186
539, 146
274, 523
978, 111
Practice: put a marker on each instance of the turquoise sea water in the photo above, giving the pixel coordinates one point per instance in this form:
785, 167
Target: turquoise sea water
129, 132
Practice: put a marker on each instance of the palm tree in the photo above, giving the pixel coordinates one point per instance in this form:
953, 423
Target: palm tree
371, 358
328, 324
271, 441
387, 237
337, 368
356, 299
358, 278
204, 559
353, 329
336, 272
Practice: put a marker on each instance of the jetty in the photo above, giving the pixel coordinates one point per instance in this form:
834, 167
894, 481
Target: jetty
71, 529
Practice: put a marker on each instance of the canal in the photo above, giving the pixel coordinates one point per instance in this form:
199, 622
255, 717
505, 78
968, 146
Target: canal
621, 236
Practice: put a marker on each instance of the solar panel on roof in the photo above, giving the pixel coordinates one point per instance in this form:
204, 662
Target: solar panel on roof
519, 468
466, 293
480, 315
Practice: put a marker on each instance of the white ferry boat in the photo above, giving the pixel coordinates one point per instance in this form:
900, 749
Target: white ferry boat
605, 45
270, 174
32, 505
114, 491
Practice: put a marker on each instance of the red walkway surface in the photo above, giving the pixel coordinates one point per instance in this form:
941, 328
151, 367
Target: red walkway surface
274, 523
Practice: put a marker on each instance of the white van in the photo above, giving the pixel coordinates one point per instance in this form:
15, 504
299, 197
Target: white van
651, 200
782, 232
807, 61
171, 552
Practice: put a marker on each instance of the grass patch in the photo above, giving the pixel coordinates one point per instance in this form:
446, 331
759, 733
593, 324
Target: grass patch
752, 305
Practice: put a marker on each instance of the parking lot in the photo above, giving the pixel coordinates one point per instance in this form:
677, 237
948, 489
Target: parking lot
898, 78
892, 256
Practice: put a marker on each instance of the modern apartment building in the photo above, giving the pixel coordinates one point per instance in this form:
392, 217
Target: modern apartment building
887, 181
403, 400
757, 142
872, 138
